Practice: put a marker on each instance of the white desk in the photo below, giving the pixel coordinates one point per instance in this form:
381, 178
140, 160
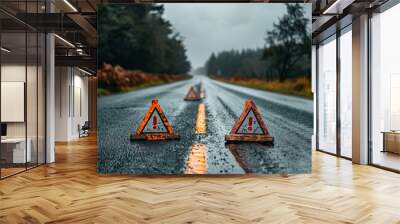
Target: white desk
19, 154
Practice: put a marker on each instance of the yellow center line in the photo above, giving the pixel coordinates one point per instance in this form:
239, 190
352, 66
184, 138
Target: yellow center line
201, 119
197, 161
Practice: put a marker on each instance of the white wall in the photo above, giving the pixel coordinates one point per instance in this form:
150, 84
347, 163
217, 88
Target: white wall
13, 101
16, 73
80, 110
9, 73
62, 82
71, 94
33, 127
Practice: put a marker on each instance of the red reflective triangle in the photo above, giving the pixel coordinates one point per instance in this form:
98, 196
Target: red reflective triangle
250, 124
192, 94
154, 125
249, 127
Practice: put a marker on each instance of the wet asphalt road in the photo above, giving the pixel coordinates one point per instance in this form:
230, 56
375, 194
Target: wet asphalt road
289, 120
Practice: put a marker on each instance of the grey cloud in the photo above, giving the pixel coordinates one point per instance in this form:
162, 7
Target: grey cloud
213, 27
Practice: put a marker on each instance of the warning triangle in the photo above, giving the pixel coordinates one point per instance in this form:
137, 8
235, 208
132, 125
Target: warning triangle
250, 126
154, 125
192, 94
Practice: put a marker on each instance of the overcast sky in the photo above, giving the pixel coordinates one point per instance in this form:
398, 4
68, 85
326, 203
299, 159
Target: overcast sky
213, 27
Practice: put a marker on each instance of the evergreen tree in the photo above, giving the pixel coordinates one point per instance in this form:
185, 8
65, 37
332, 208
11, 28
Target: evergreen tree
287, 52
138, 37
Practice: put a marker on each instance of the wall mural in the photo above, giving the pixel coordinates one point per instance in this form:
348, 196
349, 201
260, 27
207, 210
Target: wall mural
204, 88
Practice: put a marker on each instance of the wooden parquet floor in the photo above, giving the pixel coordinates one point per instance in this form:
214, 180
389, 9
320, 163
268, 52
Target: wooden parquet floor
70, 191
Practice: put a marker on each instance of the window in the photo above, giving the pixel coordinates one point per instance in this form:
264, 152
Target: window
346, 93
327, 95
22, 86
385, 89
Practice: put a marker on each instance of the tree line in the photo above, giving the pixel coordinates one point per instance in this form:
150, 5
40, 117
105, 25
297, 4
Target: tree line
247, 63
137, 37
286, 54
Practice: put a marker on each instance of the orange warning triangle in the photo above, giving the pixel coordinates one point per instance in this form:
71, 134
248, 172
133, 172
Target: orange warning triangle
192, 94
249, 127
154, 125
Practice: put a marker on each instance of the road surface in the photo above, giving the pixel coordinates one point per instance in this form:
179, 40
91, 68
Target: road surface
289, 120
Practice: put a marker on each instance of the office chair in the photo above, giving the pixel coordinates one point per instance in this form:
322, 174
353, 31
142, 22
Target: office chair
84, 130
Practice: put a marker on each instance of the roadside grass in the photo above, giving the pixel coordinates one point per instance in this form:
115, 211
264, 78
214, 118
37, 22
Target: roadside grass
295, 87
106, 92
116, 79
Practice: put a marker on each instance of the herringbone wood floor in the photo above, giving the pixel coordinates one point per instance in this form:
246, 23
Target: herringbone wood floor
70, 191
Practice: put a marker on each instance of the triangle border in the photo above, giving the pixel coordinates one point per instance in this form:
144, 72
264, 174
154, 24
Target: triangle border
192, 89
156, 111
140, 135
259, 123
234, 136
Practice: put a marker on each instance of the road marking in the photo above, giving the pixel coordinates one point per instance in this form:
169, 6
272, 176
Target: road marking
197, 161
201, 119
